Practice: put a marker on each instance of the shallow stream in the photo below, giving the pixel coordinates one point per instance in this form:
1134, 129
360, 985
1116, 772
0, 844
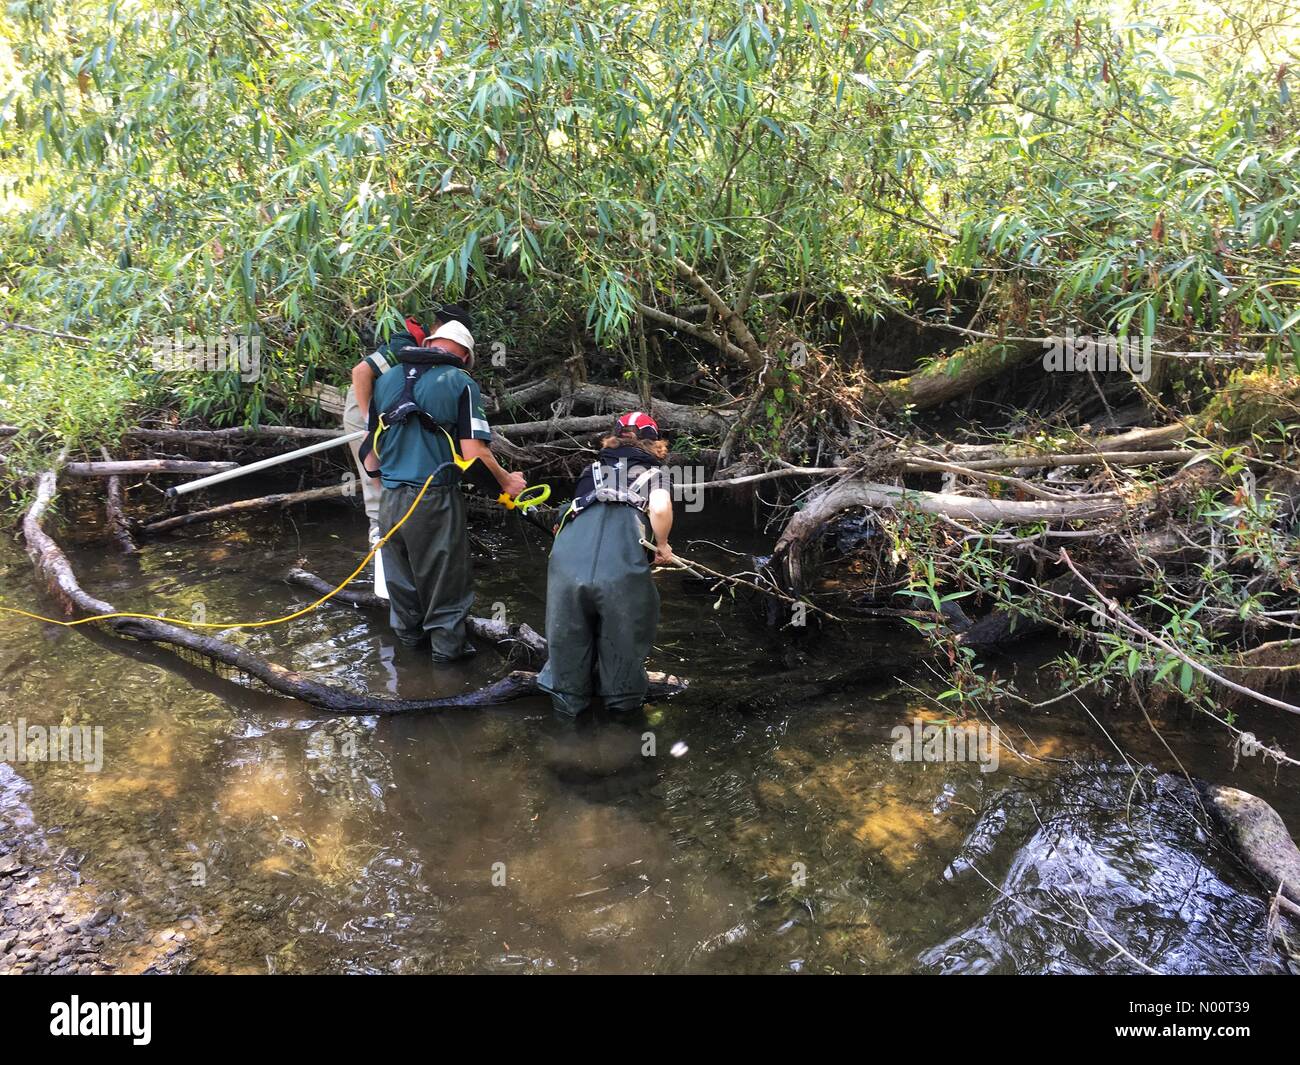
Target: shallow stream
769, 831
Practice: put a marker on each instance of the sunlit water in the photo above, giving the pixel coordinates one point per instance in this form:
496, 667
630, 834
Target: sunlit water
778, 836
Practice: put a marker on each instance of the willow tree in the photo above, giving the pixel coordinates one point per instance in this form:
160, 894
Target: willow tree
997, 172
303, 166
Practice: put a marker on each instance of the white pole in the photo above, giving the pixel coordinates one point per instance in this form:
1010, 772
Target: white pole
263, 464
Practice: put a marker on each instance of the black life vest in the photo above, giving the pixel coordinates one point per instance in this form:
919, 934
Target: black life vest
415, 362
610, 484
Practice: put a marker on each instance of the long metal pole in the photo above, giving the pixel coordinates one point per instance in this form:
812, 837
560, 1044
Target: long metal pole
264, 464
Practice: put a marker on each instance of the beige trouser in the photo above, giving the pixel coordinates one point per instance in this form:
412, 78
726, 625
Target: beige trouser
355, 418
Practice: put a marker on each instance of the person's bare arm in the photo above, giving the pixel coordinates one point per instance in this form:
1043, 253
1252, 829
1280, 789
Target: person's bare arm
363, 384
511, 483
363, 387
661, 521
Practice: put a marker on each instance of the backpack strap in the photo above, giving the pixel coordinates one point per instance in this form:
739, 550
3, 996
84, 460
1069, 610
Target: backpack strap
602, 491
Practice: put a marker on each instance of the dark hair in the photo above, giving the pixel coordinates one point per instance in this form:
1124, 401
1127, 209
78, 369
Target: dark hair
454, 312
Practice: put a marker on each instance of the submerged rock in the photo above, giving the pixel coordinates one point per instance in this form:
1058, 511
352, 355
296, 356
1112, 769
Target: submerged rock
1109, 875
1259, 835
982, 839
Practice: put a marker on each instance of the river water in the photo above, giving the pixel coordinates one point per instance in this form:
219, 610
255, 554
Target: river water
757, 823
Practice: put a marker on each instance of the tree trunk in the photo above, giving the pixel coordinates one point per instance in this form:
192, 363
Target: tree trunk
806, 525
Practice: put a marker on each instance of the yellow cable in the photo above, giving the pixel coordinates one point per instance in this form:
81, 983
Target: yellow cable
236, 624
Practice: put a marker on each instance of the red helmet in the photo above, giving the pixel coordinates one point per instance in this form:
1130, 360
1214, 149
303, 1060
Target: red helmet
639, 424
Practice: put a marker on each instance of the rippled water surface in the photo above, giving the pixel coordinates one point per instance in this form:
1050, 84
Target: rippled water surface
780, 836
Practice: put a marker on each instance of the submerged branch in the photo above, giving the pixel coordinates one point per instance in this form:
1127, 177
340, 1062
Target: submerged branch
52, 565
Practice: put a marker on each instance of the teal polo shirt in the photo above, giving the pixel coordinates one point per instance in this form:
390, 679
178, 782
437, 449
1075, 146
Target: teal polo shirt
409, 453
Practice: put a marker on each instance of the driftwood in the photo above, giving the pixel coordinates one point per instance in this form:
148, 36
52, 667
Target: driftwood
699, 421
601, 398
133, 467
806, 525
223, 437
243, 506
1161, 438
952, 376
519, 639
54, 567
115, 513
1086, 458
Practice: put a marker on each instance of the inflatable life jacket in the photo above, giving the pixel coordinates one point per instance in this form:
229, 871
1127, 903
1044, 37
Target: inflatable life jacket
415, 362
610, 485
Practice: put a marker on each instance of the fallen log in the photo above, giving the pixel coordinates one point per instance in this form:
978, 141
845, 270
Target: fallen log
678, 416
522, 638
1142, 439
224, 437
670, 415
115, 514
243, 506
53, 566
952, 376
136, 467
1086, 458
806, 525
911, 462
1159, 439
599, 424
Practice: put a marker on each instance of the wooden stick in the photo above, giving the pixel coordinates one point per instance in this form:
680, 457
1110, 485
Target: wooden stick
115, 513
135, 467
222, 437
1086, 458
243, 506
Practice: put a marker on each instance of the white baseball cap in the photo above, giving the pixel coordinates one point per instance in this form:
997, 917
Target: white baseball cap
457, 334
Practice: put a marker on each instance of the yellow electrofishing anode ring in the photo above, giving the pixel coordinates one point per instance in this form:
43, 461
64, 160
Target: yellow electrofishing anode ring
532, 496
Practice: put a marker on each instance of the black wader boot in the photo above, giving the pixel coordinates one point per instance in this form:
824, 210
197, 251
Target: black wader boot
427, 569
602, 610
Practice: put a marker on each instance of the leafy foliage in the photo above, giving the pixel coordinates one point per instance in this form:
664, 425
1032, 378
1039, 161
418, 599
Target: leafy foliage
203, 164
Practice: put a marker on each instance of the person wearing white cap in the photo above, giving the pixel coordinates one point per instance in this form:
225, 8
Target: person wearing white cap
420, 406
356, 403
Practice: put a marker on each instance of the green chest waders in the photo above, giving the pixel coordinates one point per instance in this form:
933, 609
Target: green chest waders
602, 609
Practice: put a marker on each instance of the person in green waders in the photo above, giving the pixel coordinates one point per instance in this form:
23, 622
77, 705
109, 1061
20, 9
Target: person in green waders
421, 405
356, 402
602, 608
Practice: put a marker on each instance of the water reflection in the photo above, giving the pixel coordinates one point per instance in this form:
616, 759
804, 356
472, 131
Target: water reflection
783, 839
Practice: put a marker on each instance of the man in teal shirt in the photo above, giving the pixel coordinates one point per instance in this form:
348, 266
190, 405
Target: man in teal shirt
427, 561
